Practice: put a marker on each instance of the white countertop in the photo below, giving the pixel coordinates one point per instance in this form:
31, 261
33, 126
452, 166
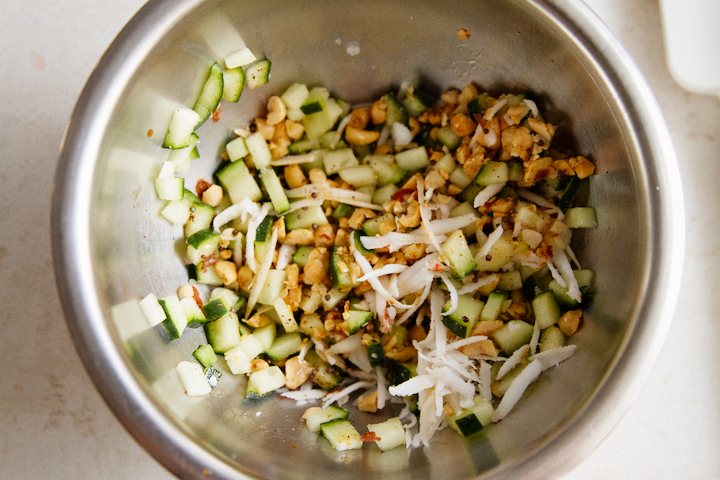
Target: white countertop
54, 424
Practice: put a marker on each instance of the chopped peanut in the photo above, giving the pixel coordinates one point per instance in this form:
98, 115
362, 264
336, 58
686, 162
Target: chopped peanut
266, 130
316, 175
359, 216
583, 167
245, 277
301, 236
258, 364
378, 112
368, 403
570, 322
297, 372
315, 269
213, 195
462, 124
276, 110
324, 236
294, 129
483, 347
359, 118
355, 136
294, 176
227, 271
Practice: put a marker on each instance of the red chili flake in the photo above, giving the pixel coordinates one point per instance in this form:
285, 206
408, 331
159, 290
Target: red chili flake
370, 437
216, 115
150, 133
196, 297
402, 193
201, 186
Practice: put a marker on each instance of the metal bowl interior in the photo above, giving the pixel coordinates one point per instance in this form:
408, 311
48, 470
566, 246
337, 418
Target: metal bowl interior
111, 247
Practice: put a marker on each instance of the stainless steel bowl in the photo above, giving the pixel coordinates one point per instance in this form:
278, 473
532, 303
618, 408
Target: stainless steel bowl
111, 248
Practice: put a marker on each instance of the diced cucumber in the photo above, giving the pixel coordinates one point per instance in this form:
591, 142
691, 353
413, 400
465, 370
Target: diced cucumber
195, 316
457, 253
510, 281
258, 73
471, 420
371, 226
386, 172
568, 196
265, 381
274, 188
295, 95
466, 208
448, 163
470, 192
340, 270
500, 387
384, 194
342, 211
388, 434
310, 321
447, 136
478, 104
210, 95
233, 84
399, 372
215, 309
177, 212
584, 279
581, 217
287, 319
151, 310
318, 123
357, 319
304, 145
180, 129
376, 354
311, 107
224, 333
284, 346
355, 237
546, 309
417, 100
237, 149
205, 355
465, 317
396, 112
204, 275
259, 149
265, 335
492, 173
201, 216
193, 379
274, 285
502, 251
513, 335
316, 416
228, 297
333, 297
175, 319
317, 95
302, 254
183, 157
413, 159
307, 217
169, 188
358, 176
237, 180
202, 244
516, 171
342, 435
325, 375
551, 337
339, 160
240, 58
262, 238
237, 360
493, 306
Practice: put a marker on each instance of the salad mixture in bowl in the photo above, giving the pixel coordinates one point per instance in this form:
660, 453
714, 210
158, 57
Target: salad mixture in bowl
414, 250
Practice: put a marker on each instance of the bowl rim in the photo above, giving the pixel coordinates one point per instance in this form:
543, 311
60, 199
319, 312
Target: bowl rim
165, 439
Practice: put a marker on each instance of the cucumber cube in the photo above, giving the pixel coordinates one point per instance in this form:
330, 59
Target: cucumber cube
388, 434
192, 378
205, 355
316, 416
342, 435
